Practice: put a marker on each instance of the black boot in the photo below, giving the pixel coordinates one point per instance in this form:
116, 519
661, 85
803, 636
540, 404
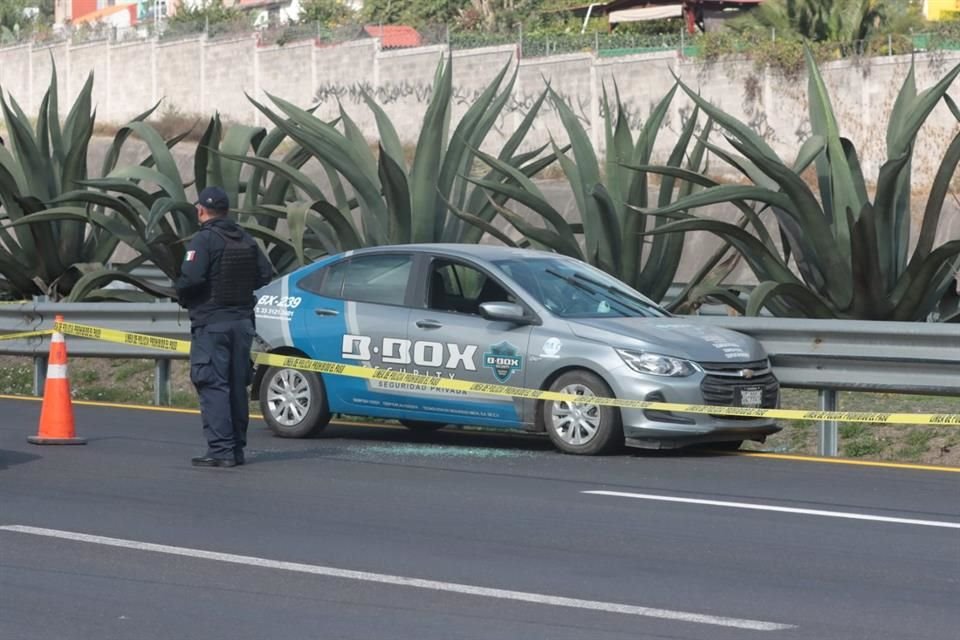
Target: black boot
207, 461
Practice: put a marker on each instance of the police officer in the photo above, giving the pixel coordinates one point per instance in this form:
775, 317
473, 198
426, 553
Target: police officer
221, 269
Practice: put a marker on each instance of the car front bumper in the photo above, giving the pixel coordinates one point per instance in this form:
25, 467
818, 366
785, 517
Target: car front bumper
654, 429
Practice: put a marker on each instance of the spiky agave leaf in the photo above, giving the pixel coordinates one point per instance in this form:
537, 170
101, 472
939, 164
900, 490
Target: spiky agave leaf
523, 190
458, 159
90, 287
328, 145
667, 250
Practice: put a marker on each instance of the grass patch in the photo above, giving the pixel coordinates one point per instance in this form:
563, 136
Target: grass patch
881, 442
916, 444
852, 431
184, 399
85, 377
16, 379
868, 446
126, 369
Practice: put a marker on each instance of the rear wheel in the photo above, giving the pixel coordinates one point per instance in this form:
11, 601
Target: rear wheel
582, 427
293, 403
422, 426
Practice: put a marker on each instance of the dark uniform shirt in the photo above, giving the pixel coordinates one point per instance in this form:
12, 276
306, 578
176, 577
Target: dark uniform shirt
201, 270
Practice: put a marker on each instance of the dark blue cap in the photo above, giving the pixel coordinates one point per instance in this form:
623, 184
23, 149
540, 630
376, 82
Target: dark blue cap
214, 198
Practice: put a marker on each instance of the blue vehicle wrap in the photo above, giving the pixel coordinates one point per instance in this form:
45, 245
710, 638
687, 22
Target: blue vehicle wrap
379, 336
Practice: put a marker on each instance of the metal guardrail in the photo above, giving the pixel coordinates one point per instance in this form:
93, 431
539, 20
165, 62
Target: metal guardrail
826, 355
855, 355
165, 319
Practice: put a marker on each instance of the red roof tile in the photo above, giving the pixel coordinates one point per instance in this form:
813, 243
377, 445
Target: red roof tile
96, 16
394, 36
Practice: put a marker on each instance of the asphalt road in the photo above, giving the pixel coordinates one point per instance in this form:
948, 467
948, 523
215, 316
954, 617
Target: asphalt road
374, 533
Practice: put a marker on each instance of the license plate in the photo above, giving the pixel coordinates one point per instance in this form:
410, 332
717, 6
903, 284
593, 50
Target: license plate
750, 396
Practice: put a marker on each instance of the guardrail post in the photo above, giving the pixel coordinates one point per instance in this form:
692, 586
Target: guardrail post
39, 374
827, 442
161, 383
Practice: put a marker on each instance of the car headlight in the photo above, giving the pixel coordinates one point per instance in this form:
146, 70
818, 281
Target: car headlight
656, 364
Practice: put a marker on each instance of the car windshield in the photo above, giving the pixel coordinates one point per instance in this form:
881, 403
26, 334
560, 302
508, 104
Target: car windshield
572, 289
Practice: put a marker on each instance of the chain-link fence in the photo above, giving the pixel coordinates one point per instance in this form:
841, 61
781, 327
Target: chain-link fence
391, 36
474, 40
946, 37
534, 45
285, 34
944, 41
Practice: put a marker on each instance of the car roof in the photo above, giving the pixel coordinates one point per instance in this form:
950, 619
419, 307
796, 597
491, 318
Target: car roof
487, 252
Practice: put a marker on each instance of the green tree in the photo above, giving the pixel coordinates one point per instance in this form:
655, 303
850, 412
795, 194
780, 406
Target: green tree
835, 20
413, 12
11, 13
15, 24
328, 12
211, 11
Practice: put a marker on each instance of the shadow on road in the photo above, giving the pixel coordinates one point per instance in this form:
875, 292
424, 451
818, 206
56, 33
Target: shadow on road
450, 436
352, 436
11, 458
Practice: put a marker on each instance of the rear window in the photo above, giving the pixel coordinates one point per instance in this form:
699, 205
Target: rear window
382, 279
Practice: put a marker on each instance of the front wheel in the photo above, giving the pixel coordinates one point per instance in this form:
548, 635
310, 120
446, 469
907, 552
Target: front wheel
293, 403
580, 426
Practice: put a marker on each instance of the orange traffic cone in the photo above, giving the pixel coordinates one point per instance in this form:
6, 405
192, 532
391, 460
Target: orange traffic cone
56, 416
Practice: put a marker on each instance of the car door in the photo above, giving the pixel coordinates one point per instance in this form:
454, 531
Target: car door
359, 316
451, 339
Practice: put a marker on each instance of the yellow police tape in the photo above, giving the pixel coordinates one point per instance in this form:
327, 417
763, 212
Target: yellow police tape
26, 334
435, 382
122, 337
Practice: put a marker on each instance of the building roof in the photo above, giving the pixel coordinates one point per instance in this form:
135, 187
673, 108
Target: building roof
394, 36
621, 5
100, 14
252, 4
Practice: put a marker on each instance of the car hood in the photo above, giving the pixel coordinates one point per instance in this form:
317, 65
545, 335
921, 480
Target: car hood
671, 336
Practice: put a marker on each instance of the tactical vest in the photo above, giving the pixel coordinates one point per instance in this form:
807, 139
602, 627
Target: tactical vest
236, 281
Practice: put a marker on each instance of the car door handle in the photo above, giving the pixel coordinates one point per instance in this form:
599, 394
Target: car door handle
428, 324
326, 312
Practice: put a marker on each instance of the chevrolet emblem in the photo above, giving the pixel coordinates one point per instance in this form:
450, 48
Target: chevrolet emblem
747, 373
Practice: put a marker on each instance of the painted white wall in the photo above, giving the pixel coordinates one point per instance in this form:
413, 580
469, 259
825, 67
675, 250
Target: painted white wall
285, 13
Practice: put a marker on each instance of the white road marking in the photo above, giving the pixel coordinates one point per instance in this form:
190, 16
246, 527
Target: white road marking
401, 581
766, 507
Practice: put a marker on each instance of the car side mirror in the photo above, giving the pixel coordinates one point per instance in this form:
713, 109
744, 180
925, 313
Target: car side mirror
504, 312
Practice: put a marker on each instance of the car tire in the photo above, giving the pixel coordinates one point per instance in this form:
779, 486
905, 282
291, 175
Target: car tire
422, 426
580, 428
293, 402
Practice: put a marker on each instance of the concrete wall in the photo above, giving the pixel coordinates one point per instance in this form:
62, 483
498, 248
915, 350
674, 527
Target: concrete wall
227, 70
178, 68
198, 76
16, 73
90, 58
287, 72
126, 80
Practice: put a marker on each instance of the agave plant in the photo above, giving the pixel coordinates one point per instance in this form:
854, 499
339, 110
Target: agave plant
146, 206
270, 190
376, 198
43, 172
850, 255
609, 233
